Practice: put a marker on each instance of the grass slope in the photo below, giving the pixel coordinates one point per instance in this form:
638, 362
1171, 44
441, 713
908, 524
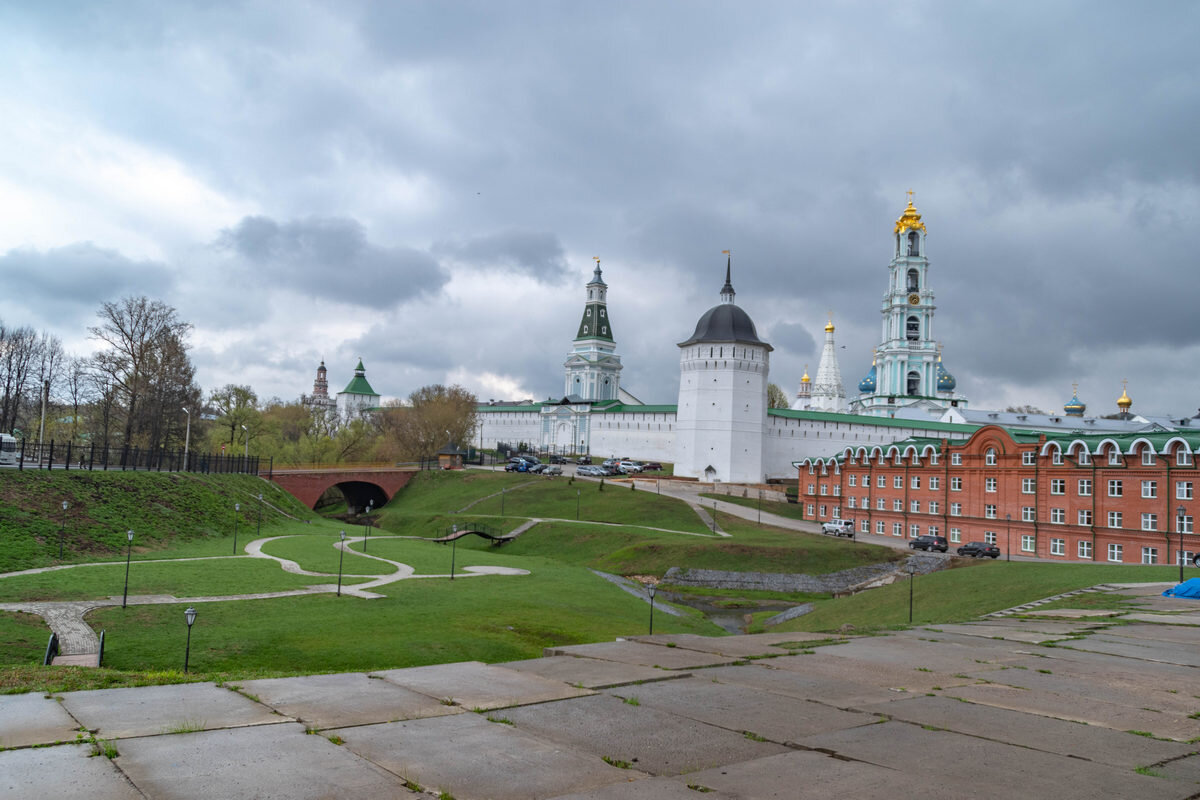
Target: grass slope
965, 593
163, 510
789, 510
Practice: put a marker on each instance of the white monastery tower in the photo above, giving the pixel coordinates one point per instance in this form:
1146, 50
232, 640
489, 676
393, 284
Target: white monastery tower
721, 418
828, 393
907, 371
593, 369
804, 393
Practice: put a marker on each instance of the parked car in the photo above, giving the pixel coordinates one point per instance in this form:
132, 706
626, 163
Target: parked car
928, 543
839, 527
629, 467
539, 468
609, 463
553, 469
652, 466
979, 550
516, 466
584, 460
557, 460
590, 471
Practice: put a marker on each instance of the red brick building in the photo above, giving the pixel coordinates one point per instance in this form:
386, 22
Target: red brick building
1103, 498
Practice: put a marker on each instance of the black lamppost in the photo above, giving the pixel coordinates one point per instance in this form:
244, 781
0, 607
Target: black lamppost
258, 527
912, 574
1179, 512
650, 590
714, 517
367, 524
453, 545
576, 505
1008, 537
128, 553
62, 529
237, 508
190, 616
341, 555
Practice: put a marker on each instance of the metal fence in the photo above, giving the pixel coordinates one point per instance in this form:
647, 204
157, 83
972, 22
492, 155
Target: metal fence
50, 455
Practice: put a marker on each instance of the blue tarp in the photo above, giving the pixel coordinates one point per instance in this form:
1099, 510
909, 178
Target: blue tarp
1189, 588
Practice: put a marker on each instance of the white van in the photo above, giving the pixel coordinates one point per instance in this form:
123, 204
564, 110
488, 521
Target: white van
839, 527
9, 454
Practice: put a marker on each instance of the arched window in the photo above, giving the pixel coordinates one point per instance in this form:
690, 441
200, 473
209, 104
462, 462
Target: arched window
914, 241
912, 330
989, 457
914, 383
914, 281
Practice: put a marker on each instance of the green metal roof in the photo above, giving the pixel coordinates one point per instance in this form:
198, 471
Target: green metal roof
485, 409
626, 408
595, 323
866, 419
358, 385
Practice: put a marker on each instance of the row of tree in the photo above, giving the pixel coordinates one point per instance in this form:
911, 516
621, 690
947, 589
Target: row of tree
139, 389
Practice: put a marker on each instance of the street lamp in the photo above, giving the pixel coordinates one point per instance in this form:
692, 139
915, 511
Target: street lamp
237, 508
651, 589
62, 529
1179, 512
190, 616
912, 574
258, 527
453, 545
714, 517
1008, 537
187, 439
128, 553
367, 524
246, 439
341, 555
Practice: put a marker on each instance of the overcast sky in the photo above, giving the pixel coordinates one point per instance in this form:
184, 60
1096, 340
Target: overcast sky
424, 185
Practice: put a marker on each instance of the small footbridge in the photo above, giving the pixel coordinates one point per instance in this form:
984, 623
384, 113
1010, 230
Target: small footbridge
484, 531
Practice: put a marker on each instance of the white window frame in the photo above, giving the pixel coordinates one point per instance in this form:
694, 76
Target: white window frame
1085, 487
956, 509
989, 457
1149, 521
1116, 552
935, 483
1028, 485
1149, 555
1149, 490
1058, 547
881, 481
1148, 459
989, 537
897, 504
897, 481
934, 507
956, 459
852, 479
989, 511
914, 530
1183, 490
1028, 458
989, 485
956, 535
914, 506
915, 483
1028, 514
881, 527
1115, 517
1116, 487
1058, 516
956, 484
1058, 486
897, 529
1084, 517
1083, 550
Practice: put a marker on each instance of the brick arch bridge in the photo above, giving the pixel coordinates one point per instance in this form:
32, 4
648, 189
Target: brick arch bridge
358, 484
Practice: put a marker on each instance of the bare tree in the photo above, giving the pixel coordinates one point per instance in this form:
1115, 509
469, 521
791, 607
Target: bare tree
432, 415
136, 329
776, 397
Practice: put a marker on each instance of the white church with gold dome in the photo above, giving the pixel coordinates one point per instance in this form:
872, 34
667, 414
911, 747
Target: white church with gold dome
721, 429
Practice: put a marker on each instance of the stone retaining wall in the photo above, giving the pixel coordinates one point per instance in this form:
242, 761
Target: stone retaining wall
834, 582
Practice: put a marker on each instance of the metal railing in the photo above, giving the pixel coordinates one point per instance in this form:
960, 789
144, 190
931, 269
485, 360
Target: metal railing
52, 455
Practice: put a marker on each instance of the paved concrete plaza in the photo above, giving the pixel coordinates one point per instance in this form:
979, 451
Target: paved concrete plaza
1059, 705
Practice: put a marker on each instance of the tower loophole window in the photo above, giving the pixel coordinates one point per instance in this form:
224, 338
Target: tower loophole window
914, 382
914, 281
913, 329
914, 243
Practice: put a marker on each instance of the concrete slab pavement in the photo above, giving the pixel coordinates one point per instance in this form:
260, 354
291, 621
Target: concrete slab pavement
150, 710
1101, 745
647, 655
27, 719
651, 789
590, 673
335, 701
280, 761
757, 644
931, 754
68, 770
473, 684
651, 740
466, 756
764, 676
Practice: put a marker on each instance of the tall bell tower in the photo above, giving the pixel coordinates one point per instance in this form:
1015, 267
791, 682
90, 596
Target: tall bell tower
907, 368
593, 369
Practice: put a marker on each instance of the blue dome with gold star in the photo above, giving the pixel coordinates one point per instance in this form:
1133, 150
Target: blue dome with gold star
867, 384
945, 381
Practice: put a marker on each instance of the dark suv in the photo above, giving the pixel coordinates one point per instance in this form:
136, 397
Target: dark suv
979, 550
930, 543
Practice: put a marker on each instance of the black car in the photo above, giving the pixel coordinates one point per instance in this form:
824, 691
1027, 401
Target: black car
584, 460
928, 543
979, 550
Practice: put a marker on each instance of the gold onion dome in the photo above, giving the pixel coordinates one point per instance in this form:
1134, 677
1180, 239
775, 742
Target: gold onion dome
829, 326
910, 219
1124, 401
805, 378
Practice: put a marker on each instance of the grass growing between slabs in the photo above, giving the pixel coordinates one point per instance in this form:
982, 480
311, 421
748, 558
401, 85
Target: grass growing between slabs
421, 621
965, 593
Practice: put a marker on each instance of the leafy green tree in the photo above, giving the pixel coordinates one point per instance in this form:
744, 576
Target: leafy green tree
776, 397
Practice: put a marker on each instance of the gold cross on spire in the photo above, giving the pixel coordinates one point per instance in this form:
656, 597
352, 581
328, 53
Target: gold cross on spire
1074, 388
910, 196
596, 259
727, 252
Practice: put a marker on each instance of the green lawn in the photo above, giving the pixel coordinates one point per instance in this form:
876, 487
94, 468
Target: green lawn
429, 558
241, 575
317, 553
23, 637
635, 551
789, 510
423, 621
966, 592
444, 493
